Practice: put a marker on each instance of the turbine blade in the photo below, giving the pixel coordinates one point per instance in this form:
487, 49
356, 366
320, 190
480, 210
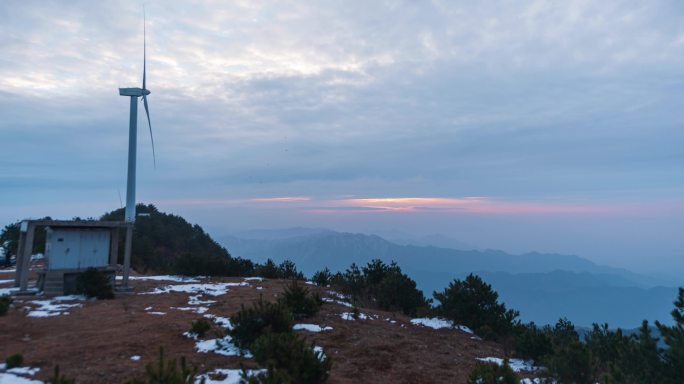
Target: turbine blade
147, 112
144, 50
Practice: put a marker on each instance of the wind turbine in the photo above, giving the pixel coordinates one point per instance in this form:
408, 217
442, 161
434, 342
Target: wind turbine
134, 94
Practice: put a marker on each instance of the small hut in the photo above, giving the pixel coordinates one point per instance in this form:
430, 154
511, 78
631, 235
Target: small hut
71, 247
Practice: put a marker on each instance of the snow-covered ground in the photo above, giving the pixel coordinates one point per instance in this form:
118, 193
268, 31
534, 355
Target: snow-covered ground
221, 321
350, 316
310, 327
329, 300
516, 365
7, 291
174, 278
16, 375
231, 376
222, 346
53, 307
437, 323
8, 378
212, 289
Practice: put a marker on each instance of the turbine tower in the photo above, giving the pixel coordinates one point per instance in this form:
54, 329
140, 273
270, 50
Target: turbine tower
134, 94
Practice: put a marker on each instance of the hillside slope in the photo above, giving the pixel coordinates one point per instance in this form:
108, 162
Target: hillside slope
112, 341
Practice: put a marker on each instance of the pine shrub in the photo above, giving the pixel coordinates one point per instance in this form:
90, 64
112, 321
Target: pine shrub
268, 270
397, 291
262, 317
167, 372
474, 303
353, 283
288, 270
300, 301
57, 378
289, 354
270, 376
322, 278
94, 283
14, 361
200, 327
5, 302
194, 264
492, 373
532, 343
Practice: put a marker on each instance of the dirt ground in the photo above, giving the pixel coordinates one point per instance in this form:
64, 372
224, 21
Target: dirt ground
95, 343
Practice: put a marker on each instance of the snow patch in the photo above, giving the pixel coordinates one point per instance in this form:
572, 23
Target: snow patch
8, 378
437, 323
6, 281
157, 313
310, 327
11, 270
135, 357
231, 376
177, 279
221, 321
222, 346
319, 350
254, 279
338, 295
212, 289
7, 291
197, 310
329, 300
516, 365
350, 316
47, 308
23, 371
195, 300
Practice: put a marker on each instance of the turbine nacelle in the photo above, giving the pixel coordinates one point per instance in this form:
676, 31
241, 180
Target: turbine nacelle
135, 92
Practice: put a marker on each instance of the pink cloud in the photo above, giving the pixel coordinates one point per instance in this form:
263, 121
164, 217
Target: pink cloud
284, 199
476, 205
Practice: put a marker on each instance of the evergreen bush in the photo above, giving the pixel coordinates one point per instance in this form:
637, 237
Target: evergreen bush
474, 303
300, 301
262, 317
200, 327
397, 291
192, 264
322, 278
288, 270
673, 337
268, 270
14, 361
532, 343
292, 357
492, 373
94, 283
5, 302
270, 376
57, 378
167, 372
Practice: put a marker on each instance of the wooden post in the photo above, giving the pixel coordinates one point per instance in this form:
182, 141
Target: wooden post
114, 246
20, 255
26, 261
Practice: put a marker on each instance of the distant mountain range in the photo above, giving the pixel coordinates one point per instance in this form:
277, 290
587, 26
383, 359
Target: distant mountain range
544, 287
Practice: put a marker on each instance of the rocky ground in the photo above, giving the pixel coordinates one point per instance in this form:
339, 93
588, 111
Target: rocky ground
111, 341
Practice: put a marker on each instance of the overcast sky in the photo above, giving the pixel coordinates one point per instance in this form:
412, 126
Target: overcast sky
519, 125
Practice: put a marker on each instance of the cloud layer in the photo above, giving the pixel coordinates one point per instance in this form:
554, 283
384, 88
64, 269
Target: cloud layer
542, 106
